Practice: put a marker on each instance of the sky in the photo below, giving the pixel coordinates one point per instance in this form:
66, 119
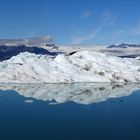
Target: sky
86, 22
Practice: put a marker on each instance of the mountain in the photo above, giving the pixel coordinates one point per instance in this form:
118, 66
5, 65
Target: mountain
6, 52
84, 66
125, 46
35, 41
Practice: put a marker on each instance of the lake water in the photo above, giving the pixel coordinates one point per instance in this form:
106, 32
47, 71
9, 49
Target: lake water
70, 111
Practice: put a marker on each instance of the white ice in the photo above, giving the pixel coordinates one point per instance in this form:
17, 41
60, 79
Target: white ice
84, 66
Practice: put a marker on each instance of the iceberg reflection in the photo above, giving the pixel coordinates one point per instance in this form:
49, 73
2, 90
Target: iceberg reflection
81, 93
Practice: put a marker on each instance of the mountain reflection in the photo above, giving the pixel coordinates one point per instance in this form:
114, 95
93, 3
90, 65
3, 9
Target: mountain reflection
81, 93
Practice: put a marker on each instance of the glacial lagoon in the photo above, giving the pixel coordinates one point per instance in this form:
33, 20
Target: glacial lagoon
82, 111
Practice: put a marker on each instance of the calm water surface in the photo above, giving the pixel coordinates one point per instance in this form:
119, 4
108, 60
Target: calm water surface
70, 112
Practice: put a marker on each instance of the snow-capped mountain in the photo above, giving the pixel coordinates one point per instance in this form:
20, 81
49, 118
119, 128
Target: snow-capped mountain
81, 93
125, 46
85, 66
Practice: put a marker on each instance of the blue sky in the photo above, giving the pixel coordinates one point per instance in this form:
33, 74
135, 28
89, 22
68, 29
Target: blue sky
72, 21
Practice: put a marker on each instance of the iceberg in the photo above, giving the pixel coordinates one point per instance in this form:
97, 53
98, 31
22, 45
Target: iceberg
84, 66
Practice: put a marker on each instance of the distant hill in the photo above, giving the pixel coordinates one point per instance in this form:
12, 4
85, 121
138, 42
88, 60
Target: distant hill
6, 52
125, 46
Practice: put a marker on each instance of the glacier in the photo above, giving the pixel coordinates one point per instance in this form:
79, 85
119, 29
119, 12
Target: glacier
83, 66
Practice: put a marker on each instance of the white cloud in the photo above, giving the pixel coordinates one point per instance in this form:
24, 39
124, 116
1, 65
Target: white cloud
91, 35
136, 30
107, 19
86, 14
118, 33
34, 35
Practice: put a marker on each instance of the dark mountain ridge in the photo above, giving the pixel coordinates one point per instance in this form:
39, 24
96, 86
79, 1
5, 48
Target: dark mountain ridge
6, 52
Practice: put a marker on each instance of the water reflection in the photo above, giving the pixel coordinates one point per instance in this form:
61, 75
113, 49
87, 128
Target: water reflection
81, 93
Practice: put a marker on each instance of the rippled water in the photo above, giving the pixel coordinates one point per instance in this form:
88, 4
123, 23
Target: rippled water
70, 111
